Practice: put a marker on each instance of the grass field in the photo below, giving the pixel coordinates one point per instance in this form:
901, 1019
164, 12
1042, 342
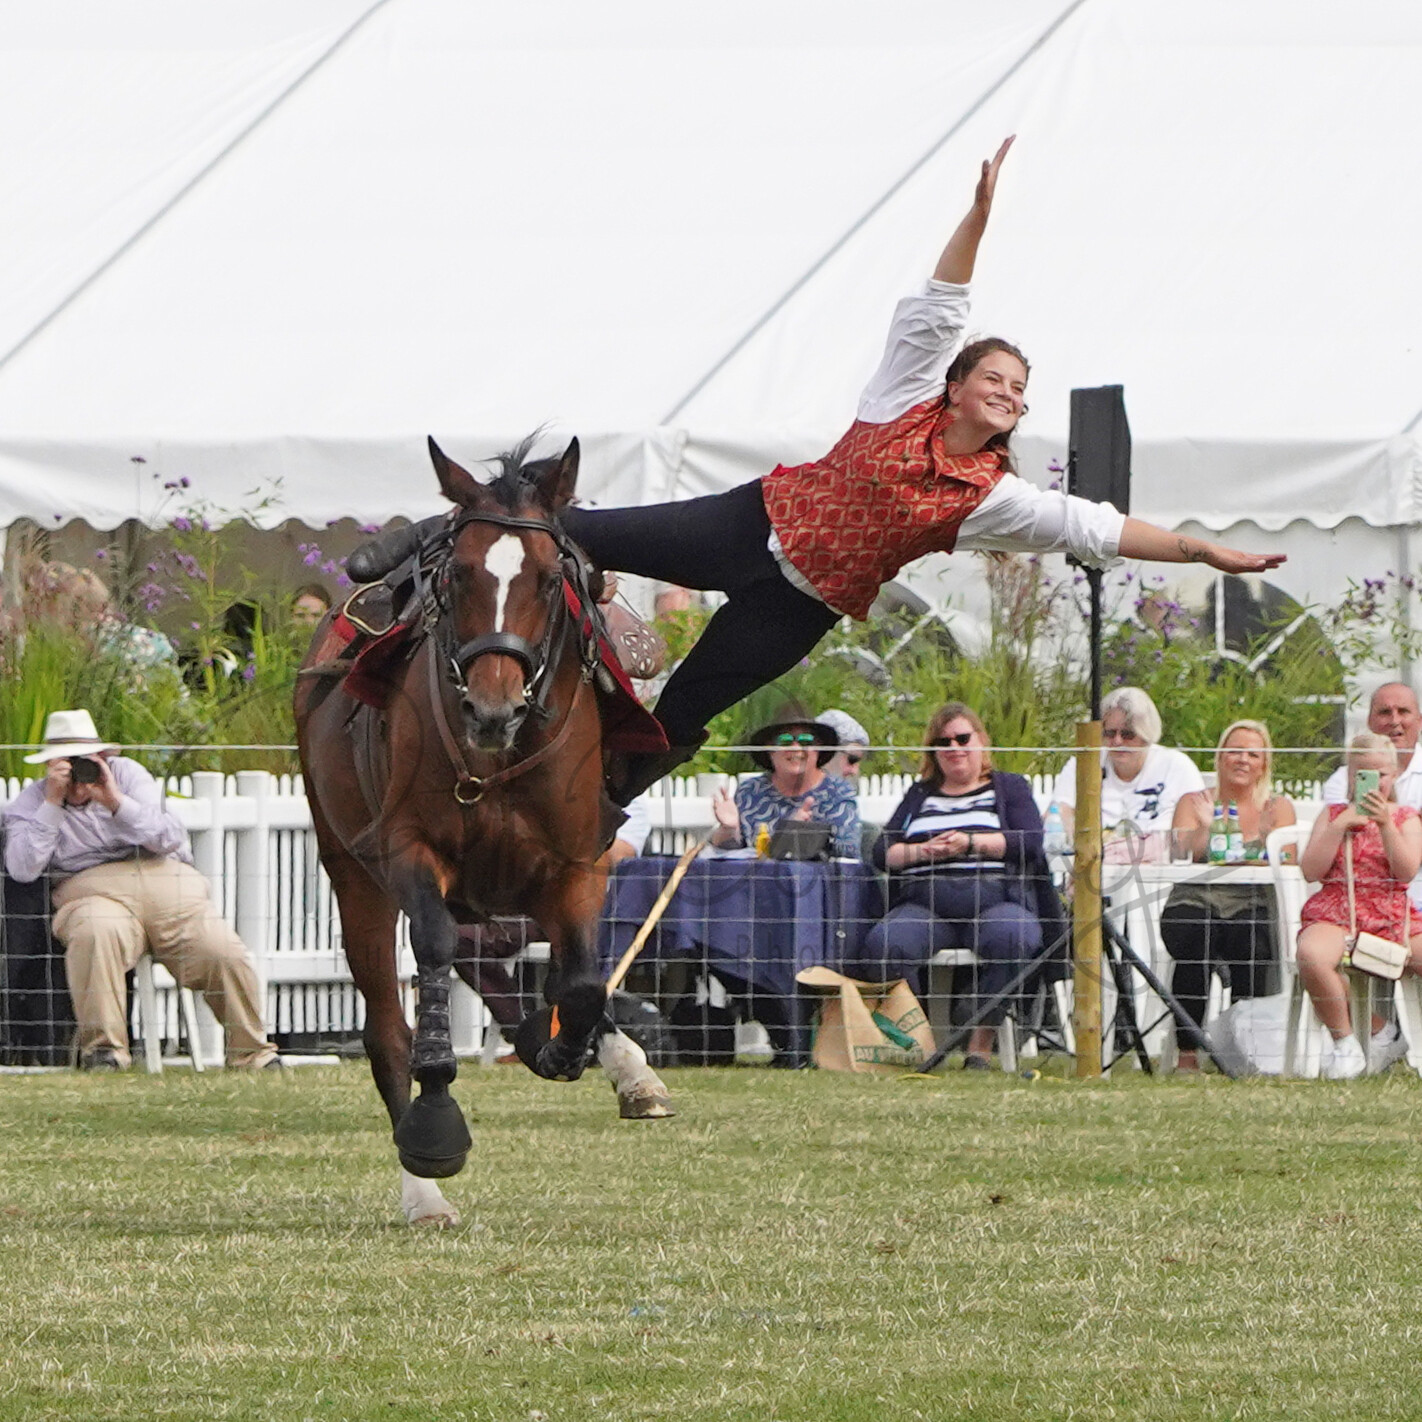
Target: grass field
793, 1246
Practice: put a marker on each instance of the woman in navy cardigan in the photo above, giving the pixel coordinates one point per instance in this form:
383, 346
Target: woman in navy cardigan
964, 849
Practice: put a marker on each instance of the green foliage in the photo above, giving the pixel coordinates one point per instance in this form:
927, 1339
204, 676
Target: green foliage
1029, 681
215, 683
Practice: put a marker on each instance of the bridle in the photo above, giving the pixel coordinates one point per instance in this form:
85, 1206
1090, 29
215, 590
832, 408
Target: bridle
433, 575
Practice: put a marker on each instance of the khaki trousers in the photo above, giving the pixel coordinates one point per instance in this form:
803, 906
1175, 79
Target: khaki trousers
110, 915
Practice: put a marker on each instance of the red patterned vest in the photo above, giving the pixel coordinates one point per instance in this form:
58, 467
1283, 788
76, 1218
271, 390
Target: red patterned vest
883, 496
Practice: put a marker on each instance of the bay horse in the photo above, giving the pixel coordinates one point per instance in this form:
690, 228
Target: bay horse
476, 791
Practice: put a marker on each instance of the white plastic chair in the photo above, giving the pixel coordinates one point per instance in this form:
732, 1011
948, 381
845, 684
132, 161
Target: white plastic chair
146, 984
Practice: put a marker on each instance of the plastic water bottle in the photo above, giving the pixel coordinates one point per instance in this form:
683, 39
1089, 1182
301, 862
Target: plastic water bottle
1234, 834
1219, 837
1054, 836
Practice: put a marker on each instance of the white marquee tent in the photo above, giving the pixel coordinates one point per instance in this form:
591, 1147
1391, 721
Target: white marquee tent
283, 239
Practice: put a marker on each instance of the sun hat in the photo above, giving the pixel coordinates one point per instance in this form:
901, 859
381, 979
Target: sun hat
849, 731
69, 733
790, 716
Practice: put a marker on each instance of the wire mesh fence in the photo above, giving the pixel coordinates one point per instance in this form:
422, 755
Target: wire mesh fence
966, 898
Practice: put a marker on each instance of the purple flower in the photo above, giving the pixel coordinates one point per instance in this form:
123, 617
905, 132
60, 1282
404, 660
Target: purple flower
137, 459
183, 525
312, 558
249, 672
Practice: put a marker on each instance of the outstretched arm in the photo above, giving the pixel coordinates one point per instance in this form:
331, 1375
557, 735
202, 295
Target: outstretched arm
956, 263
1157, 545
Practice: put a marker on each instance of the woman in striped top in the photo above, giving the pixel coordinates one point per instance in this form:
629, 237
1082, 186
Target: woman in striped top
965, 851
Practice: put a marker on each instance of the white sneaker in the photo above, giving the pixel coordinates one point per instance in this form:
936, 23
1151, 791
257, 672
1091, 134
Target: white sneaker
1388, 1046
1347, 1060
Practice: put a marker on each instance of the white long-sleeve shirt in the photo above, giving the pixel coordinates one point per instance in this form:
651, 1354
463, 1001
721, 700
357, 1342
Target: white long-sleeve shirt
1016, 516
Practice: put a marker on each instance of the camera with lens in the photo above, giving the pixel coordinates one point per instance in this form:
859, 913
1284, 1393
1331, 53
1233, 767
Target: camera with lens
84, 770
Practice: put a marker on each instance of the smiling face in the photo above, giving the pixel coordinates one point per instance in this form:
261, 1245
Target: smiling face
991, 396
1241, 764
960, 758
794, 756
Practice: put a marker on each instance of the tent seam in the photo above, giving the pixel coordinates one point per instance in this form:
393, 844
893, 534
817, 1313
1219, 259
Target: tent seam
213, 163
860, 222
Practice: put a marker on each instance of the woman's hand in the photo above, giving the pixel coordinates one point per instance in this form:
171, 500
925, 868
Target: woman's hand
961, 254
806, 810
951, 844
1350, 818
1231, 560
1377, 808
727, 817
987, 183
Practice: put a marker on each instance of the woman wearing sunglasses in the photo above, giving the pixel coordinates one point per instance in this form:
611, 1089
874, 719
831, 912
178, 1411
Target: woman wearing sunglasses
924, 468
968, 870
795, 786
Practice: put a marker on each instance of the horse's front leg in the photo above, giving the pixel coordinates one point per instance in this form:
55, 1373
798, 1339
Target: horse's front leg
641, 1093
432, 1136
574, 989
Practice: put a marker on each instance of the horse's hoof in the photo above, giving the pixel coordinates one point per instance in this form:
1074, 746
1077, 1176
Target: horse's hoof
432, 1137
433, 1217
652, 1103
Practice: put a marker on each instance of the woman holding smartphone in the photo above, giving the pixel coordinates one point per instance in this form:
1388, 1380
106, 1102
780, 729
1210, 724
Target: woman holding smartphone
1386, 841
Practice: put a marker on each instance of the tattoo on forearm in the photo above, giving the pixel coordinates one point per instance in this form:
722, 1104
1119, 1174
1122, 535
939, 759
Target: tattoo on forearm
1190, 552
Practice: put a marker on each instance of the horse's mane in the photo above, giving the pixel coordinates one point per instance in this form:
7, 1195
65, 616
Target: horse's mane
516, 483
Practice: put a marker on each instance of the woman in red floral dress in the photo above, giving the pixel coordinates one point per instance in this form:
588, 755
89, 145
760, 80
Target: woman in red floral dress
1387, 851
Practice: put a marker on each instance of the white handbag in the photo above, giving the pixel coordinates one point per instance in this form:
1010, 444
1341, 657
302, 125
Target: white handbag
1367, 952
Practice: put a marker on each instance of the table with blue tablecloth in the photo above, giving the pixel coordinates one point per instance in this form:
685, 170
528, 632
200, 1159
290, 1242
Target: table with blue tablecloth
754, 923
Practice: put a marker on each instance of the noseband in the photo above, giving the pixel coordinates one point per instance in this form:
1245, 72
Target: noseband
537, 662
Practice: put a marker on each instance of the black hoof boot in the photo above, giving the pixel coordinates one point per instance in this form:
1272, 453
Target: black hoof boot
562, 1061
432, 1137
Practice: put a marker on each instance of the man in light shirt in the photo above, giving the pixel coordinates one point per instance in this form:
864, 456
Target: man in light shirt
124, 885
1392, 712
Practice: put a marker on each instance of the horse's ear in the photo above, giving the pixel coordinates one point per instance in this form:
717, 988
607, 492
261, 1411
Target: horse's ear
459, 485
556, 486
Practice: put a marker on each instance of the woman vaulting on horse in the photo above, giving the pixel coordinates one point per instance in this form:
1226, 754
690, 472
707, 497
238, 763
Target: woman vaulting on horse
925, 468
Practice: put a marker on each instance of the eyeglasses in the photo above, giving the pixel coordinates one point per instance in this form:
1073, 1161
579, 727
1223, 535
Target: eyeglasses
795, 738
963, 738
852, 759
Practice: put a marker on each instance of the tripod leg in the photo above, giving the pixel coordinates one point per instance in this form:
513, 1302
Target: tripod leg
1125, 1016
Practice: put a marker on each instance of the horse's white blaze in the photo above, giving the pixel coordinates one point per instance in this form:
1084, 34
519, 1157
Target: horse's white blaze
504, 560
423, 1202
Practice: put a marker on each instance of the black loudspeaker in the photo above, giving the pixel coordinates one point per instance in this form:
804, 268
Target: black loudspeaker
1100, 447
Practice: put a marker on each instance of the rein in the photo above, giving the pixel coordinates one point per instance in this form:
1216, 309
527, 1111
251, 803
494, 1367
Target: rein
538, 663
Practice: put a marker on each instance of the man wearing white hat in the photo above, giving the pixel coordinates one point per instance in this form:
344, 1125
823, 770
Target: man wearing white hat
124, 885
